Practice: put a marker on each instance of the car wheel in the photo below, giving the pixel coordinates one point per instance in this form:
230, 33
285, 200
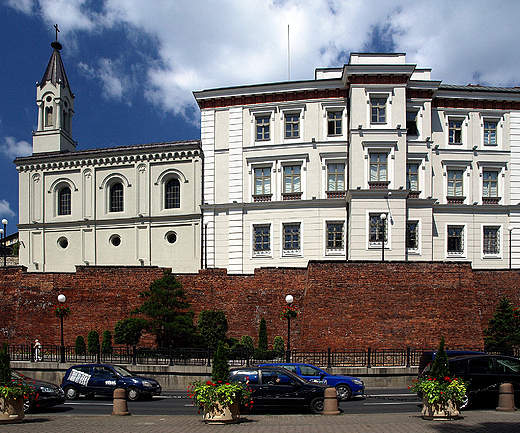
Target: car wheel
316, 405
71, 393
344, 392
132, 393
28, 405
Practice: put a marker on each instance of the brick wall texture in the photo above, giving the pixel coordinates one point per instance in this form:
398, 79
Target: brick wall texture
344, 305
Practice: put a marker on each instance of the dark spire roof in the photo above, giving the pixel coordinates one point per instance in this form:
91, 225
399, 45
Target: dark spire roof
55, 72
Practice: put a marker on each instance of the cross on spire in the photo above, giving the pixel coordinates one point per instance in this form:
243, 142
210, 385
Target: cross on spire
57, 31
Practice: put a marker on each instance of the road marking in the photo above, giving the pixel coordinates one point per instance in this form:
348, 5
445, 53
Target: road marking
400, 402
90, 404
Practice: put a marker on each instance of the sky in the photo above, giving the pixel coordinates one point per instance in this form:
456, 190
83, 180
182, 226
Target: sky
134, 64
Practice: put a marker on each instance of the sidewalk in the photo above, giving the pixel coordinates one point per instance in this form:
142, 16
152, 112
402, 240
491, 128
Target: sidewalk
472, 422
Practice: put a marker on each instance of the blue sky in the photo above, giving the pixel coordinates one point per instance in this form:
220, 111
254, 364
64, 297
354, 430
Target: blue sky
133, 64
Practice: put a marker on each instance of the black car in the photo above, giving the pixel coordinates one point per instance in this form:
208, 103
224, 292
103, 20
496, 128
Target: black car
44, 394
485, 373
429, 355
103, 379
276, 387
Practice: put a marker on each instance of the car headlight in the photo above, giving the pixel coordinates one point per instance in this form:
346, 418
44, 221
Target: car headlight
147, 384
47, 389
357, 382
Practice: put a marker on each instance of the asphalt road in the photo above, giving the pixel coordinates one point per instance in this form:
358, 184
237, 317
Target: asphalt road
388, 400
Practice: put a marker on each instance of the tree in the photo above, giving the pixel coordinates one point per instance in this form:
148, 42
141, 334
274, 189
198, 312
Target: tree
247, 341
129, 331
279, 346
503, 328
81, 347
440, 368
93, 342
220, 369
106, 344
212, 327
167, 306
262, 335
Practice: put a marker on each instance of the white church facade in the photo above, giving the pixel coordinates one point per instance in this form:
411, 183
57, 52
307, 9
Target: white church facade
126, 206
370, 161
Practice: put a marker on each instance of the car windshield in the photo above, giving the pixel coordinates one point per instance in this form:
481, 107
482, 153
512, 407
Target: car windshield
510, 366
123, 371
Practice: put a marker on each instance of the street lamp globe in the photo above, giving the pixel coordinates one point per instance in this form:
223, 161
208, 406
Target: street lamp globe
62, 298
4, 222
383, 216
289, 299
510, 228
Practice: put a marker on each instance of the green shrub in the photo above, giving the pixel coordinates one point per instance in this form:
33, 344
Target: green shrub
440, 368
262, 335
220, 369
93, 342
106, 344
279, 345
81, 347
212, 326
5, 366
247, 341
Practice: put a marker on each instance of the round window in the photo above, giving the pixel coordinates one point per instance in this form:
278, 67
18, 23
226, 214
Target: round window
171, 237
115, 240
63, 243
49, 99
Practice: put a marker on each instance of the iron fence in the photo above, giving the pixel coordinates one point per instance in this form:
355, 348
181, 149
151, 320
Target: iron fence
405, 357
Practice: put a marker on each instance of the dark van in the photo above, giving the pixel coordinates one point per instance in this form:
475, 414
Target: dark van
429, 356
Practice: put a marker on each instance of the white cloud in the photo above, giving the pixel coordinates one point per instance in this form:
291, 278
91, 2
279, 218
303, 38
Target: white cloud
13, 148
5, 209
203, 44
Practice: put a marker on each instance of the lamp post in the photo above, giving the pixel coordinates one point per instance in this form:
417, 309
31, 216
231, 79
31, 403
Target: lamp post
289, 299
4, 222
62, 298
383, 221
510, 228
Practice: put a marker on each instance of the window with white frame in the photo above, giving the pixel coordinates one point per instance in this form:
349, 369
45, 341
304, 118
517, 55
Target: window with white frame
116, 199
455, 131
377, 229
455, 183
335, 238
334, 123
489, 184
172, 194
64, 201
291, 238
335, 180
262, 184
412, 176
261, 240
262, 125
412, 235
491, 240
455, 240
490, 132
292, 125
378, 167
411, 122
377, 110
291, 182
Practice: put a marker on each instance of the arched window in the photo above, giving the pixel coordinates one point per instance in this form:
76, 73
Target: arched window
116, 197
64, 201
48, 116
172, 194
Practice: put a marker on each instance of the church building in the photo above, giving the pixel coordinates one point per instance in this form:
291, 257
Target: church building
126, 206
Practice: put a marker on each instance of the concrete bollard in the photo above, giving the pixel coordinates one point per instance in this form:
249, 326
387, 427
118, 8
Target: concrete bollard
120, 404
506, 398
330, 402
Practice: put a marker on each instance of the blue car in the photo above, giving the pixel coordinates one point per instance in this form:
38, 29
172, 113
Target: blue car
92, 379
346, 386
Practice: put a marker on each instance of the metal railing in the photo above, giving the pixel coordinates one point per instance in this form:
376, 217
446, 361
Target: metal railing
407, 357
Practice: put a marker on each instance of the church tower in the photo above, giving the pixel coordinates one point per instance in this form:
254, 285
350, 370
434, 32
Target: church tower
55, 102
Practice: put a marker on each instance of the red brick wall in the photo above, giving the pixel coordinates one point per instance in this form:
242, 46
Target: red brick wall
350, 305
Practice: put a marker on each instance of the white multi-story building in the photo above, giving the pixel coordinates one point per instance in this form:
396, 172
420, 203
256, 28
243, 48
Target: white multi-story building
367, 161
129, 205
